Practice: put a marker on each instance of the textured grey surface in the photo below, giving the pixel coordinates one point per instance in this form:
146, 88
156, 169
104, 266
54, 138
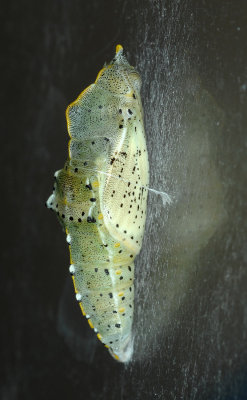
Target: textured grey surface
191, 319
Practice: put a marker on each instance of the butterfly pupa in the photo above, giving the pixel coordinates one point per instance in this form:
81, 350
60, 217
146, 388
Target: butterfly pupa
100, 198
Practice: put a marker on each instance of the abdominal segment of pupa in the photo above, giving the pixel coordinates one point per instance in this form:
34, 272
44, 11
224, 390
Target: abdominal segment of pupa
100, 198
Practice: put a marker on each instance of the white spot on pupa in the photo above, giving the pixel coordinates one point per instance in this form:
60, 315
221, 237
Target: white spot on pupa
56, 174
78, 297
87, 316
95, 330
50, 200
72, 269
68, 238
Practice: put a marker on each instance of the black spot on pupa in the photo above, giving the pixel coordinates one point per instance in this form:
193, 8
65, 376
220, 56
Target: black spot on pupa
106, 271
92, 199
96, 269
118, 325
76, 169
71, 218
120, 126
89, 186
110, 295
91, 219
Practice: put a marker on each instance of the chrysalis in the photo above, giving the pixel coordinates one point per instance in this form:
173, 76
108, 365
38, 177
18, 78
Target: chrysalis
100, 198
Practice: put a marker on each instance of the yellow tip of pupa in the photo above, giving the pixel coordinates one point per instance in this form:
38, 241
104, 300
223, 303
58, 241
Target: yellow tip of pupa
119, 48
116, 357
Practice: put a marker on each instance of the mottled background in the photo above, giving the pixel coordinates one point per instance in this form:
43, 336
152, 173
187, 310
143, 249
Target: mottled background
191, 279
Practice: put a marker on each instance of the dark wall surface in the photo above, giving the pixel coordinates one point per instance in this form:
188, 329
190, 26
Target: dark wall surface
191, 304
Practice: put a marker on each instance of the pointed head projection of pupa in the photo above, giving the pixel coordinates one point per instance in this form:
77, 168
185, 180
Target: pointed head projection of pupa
119, 77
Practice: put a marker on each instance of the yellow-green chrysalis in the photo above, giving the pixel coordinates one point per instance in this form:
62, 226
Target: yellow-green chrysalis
100, 198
